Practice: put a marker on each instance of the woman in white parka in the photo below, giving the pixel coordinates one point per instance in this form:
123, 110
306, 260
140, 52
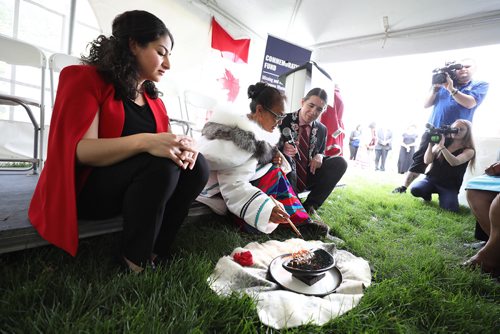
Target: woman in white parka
240, 151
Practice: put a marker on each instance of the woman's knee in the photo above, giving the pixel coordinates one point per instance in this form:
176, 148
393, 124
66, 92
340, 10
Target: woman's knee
201, 169
416, 191
158, 172
195, 179
419, 191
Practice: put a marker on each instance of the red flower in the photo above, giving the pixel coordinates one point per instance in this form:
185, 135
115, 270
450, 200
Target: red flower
244, 258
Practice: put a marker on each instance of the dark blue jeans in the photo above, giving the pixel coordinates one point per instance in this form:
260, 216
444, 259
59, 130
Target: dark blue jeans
448, 198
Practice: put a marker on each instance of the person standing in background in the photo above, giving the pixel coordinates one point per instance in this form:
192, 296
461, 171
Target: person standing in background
382, 147
332, 119
354, 140
407, 149
370, 141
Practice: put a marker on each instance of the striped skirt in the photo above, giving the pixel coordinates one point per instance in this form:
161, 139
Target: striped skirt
274, 183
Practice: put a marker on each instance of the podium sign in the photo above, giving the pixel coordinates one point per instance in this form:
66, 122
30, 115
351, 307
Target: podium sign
281, 57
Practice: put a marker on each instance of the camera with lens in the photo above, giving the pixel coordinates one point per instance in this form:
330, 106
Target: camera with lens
437, 133
439, 74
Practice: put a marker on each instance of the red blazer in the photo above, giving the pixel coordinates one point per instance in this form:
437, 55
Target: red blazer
81, 93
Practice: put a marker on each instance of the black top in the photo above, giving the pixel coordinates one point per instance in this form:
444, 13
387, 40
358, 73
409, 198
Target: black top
445, 175
138, 119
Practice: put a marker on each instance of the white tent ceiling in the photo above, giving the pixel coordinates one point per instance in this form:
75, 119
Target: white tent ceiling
335, 30
348, 30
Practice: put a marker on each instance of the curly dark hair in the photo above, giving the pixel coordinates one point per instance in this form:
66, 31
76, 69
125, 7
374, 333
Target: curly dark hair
265, 95
112, 55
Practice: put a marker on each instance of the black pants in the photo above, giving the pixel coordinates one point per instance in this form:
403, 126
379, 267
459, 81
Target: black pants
321, 183
153, 194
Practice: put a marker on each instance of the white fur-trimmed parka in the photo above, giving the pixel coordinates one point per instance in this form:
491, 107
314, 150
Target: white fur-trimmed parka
238, 151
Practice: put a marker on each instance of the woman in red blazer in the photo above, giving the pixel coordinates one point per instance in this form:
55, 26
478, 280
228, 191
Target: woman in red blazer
110, 151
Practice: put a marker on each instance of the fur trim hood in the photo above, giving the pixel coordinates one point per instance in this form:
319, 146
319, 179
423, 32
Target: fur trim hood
243, 132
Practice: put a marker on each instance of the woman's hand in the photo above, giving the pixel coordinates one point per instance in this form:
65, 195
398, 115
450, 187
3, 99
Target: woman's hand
277, 159
493, 169
289, 149
179, 149
279, 215
440, 146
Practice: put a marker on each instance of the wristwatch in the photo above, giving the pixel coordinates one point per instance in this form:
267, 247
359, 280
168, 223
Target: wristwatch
454, 92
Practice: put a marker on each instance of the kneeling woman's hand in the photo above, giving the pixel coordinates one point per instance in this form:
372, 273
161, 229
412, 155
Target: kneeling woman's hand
279, 215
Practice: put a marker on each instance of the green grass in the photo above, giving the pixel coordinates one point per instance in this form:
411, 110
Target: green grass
413, 247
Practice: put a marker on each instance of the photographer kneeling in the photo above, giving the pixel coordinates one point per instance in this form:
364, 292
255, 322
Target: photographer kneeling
449, 163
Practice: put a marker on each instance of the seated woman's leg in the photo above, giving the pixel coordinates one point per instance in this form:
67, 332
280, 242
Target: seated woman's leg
138, 188
479, 203
424, 189
189, 186
489, 256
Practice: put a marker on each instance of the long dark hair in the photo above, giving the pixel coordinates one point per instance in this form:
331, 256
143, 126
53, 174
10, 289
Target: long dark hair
265, 95
112, 56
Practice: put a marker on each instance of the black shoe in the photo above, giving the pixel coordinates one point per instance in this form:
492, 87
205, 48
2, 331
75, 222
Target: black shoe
399, 190
314, 229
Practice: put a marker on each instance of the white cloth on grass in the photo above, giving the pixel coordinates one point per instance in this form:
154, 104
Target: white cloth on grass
279, 308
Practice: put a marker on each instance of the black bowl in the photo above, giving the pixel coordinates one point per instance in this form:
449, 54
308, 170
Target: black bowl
320, 262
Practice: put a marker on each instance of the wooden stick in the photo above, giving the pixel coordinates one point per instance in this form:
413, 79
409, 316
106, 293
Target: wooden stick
294, 228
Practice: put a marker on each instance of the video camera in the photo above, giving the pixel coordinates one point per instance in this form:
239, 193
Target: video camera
439, 74
436, 133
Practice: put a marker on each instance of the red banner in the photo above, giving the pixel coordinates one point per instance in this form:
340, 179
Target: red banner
236, 50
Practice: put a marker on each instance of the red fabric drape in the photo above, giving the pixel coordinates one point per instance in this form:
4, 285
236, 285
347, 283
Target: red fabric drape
332, 119
236, 50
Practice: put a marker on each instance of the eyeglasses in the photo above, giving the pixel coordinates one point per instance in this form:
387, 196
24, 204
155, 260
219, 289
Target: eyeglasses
277, 117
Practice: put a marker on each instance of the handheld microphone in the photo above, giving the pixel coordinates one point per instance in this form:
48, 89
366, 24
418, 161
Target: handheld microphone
287, 133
